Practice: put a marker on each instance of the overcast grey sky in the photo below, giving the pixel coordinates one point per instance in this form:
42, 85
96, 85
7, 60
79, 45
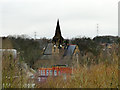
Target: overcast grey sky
77, 17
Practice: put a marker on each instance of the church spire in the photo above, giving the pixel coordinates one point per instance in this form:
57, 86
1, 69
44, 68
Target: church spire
58, 37
58, 31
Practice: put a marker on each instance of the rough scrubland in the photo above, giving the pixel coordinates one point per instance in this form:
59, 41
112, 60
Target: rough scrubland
14, 74
97, 68
103, 75
89, 74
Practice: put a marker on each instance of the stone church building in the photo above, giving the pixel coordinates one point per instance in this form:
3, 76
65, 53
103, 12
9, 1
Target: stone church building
60, 50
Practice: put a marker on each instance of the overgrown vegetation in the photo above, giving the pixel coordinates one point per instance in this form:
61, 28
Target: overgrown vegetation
13, 74
103, 75
98, 64
29, 50
87, 45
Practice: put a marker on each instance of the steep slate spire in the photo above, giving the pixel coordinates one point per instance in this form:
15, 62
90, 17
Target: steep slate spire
58, 37
58, 31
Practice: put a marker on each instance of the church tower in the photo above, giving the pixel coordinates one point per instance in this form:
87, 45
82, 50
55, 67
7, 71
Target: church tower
58, 39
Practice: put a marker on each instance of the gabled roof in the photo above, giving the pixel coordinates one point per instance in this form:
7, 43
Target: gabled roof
48, 50
69, 50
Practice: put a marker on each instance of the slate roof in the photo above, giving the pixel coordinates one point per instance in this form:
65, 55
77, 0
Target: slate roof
48, 50
69, 50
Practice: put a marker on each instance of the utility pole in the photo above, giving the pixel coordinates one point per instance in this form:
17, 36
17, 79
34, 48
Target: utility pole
97, 29
35, 34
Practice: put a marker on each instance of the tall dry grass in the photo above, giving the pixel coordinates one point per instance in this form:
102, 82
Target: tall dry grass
13, 73
102, 75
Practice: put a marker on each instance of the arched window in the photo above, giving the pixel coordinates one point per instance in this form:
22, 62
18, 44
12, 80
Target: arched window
47, 72
59, 73
41, 72
55, 73
50, 72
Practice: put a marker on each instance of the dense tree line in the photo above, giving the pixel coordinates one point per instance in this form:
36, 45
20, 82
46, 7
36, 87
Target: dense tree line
87, 45
93, 45
31, 50
96, 50
106, 39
